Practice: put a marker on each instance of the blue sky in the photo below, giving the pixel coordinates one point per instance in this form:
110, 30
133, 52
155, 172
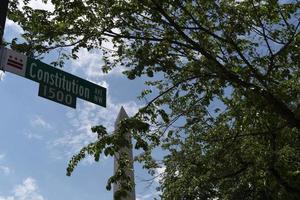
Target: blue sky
38, 136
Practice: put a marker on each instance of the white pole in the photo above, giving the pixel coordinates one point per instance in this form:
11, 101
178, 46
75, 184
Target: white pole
131, 195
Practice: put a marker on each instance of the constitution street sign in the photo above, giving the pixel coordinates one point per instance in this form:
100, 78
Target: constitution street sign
63, 81
55, 84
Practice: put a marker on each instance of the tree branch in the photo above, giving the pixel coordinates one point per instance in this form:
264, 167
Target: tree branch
284, 183
168, 90
289, 42
278, 106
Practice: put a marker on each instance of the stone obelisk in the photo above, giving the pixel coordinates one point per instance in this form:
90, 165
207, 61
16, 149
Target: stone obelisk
131, 195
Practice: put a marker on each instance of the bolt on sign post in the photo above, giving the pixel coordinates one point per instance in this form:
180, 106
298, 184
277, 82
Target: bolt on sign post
55, 84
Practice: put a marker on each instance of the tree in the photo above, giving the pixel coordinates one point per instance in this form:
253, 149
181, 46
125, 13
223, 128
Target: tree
244, 55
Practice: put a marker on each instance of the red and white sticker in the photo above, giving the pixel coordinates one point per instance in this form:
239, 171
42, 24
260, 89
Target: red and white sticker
13, 62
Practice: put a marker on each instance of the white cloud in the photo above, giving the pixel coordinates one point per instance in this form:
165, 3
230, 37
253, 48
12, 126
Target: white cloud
5, 170
28, 190
6, 198
143, 197
38, 126
31, 135
2, 75
89, 115
159, 173
38, 122
146, 196
14, 26
90, 62
84, 117
39, 4
2, 156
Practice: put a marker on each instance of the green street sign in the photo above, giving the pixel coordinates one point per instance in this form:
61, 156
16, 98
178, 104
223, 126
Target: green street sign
57, 95
53, 81
63, 81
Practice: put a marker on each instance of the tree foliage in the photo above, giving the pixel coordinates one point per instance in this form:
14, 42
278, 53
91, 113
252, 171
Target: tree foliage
240, 57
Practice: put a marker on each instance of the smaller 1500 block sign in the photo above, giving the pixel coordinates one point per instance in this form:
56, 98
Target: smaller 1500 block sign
57, 95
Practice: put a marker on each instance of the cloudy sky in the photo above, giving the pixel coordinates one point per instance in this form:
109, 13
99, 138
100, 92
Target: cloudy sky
38, 136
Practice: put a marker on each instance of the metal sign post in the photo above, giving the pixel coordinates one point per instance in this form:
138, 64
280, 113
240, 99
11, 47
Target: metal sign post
3, 13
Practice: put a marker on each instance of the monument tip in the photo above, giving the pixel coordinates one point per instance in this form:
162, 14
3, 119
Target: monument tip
122, 115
